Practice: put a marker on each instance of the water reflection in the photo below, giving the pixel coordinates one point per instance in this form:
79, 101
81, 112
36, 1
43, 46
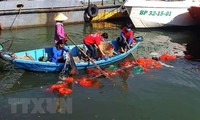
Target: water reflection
9, 80
17, 80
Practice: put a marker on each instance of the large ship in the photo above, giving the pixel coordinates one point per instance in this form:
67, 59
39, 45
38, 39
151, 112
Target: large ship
29, 13
154, 13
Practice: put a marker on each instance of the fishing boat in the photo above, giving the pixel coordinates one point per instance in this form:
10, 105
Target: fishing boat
30, 60
195, 13
152, 14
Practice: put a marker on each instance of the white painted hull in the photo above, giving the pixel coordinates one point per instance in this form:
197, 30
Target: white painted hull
152, 14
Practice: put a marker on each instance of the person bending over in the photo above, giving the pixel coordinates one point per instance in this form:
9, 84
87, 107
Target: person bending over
58, 51
92, 42
126, 38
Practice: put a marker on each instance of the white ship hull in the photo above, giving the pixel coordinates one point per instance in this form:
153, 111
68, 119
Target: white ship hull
152, 14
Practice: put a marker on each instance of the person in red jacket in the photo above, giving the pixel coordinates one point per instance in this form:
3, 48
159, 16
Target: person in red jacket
126, 38
92, 42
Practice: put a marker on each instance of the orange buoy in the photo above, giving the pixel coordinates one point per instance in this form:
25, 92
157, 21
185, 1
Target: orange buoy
85, 83
127, 63
57, 86
68, 79
89, 82
166, 57
64, 91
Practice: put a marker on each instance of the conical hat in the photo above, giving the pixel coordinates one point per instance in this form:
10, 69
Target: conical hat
61, 17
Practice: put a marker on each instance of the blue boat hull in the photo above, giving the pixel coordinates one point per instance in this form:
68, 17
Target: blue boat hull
36, 65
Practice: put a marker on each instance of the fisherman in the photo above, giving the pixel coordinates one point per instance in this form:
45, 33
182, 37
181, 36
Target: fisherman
58, 56
92, 42
60, 33
126, 38
58, 51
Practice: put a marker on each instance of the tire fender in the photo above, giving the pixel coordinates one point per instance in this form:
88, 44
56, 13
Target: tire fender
138, 38
7, 56
92, 10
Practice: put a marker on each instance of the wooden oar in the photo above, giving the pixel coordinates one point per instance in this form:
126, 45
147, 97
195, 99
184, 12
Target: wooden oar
129, 45
129, 48
104, 73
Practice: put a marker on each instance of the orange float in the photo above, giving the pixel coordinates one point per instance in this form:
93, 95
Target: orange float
56, 86
157, 64
64, 91
68, 79
85, 82
89, 82
166, 57
143, 63
127, 63
147, 63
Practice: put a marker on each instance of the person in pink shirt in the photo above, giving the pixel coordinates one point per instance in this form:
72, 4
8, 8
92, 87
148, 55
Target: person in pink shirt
60, 33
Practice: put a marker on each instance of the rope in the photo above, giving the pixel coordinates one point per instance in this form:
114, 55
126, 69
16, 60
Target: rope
15, 29
16, 18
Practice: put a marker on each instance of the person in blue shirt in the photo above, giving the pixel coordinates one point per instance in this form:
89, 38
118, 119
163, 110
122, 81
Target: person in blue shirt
58, 56
58, 51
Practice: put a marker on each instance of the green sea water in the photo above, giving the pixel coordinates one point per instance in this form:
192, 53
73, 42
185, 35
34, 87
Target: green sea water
167, 93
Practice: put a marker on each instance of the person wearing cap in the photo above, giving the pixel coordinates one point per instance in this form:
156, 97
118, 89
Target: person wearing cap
60, 33
126, 37
92, 42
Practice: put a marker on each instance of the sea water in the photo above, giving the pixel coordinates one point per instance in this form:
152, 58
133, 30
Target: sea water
166, 93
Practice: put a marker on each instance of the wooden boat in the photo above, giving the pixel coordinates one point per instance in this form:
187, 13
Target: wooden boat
29, 60
195, 13
152, 13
